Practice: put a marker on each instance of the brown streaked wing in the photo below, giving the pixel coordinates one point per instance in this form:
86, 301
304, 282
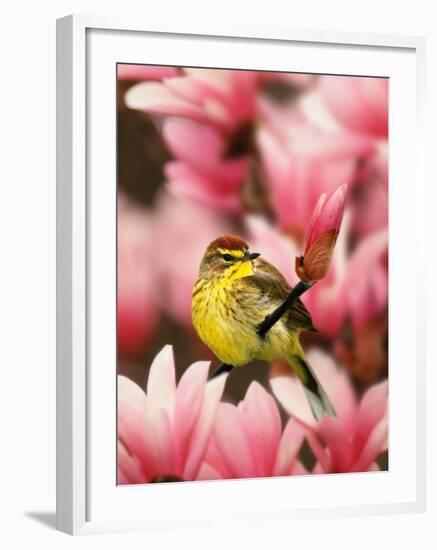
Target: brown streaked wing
270, 282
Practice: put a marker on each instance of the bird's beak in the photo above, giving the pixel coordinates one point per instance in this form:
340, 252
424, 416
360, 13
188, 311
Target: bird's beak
250, 256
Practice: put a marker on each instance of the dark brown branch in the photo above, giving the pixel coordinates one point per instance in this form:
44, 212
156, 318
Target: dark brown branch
276, 314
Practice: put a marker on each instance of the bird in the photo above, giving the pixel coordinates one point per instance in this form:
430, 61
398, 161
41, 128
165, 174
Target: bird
235, 291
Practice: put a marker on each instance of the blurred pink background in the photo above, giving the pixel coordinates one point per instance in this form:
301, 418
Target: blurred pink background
202, 152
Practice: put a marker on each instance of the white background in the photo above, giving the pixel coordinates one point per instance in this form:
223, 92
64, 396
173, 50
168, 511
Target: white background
27, 300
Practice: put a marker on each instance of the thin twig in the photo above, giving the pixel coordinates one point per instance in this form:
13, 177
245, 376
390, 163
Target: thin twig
276, 314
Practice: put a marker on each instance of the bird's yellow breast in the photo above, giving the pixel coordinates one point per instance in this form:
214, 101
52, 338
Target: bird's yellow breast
221, 325
219, 319
225, 316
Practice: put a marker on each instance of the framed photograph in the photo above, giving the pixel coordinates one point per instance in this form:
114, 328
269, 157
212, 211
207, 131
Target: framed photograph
240, 300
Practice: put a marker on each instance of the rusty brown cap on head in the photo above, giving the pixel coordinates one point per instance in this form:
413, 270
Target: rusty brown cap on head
229, 242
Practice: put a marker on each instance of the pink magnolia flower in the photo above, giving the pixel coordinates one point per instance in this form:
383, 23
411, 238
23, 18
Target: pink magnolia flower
126, 71
202, 173
218, 97
350, 442
301, 163
247, 440
163, 432
321, 236
359, 103
212, 140
137, 311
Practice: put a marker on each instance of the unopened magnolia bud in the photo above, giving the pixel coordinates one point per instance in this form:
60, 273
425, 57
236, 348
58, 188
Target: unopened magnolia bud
321, 236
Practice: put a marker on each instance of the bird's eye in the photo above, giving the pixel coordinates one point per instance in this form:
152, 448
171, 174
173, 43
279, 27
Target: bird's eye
227, 257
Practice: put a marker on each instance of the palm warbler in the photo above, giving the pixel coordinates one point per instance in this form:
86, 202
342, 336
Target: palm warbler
235, 291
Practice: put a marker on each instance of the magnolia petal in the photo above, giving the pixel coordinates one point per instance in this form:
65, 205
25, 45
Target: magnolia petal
163, 450
129, 471
317, 259
317, 114
298, 469
131, 394
219, 114
289, 447
318, 469
322, 454
225, 179
207, 472
309, 237
161, 385
323, 230
193, 89
360, 104
217, 79
121, 478
262, 425
155, 97
331, 213
144, 433
275, 159
214, 459
337, 437
191, 191
328, 146
132, 422
372, 409
189, 399
289, 392
203, 428
187, 138
242, 100
232, 442
288, 177
375, 445
134, 432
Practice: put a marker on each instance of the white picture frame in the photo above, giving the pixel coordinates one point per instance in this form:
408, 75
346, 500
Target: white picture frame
81, 488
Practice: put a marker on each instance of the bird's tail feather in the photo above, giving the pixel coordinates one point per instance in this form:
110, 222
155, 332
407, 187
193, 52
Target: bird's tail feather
316, 395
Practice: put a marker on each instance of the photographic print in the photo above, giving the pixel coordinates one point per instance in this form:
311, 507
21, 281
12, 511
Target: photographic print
252, 274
